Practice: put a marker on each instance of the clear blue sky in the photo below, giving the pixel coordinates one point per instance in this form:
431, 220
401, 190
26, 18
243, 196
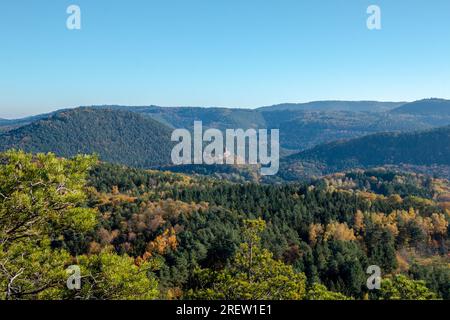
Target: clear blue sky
244, 53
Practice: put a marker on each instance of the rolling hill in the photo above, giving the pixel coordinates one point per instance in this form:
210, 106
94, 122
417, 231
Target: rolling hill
116, 136
421, 148
439, 107
373, 106
301, 130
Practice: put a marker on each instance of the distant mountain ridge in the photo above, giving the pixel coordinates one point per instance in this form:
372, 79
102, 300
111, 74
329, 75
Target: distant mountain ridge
303, 126
299, 129
425, 107
140, 136
336, 105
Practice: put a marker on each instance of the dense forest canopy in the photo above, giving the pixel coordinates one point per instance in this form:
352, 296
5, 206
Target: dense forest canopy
173, 236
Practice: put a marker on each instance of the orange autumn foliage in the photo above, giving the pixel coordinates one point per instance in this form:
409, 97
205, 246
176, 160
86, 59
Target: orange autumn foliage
163, 243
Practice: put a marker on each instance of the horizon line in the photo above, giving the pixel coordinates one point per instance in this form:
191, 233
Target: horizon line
210, 106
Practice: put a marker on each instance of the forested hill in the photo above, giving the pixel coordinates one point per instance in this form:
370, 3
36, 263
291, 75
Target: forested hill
438, 107
373, 106
116, 136
431, 147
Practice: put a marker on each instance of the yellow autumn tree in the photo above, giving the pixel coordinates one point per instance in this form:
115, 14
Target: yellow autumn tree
359, 222
339, 231
167, 240
315, 230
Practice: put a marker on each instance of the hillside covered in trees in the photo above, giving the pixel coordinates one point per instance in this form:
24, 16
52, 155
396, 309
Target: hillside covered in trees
421, 148
116, 136
439, 107
329, 230
159, 235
